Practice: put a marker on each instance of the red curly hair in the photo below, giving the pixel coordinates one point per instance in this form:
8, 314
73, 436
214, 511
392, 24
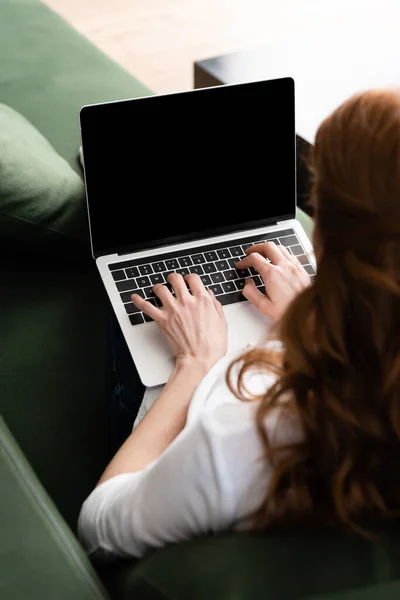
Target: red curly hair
340, 363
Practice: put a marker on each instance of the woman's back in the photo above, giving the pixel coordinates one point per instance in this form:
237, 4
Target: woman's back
305, 432
342, 334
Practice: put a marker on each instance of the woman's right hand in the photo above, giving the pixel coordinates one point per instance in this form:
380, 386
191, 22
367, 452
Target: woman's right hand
193, 321
283, 275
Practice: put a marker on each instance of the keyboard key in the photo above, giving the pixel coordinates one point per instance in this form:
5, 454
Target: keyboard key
186, 261
209, 267
303, 259
310, 269
143, 282
232, 262
118, 275
123, 286
126, 296
245, 246
217, 277
183, 272
236, 251
297, 250
289, 240
224, 253
172, 264
198, 259
132, 272
168, 273
131, 308
158, 278
229, 286
217, 289
231, 298
153, 301
253, 271
242, 273
136, 319
258, 281
274, 240
206, 279
230, 275
171, 289
158, 267
197, 269
240, 283
210, 256
158, 302
147, 318
222, 265
145, 270
149, 293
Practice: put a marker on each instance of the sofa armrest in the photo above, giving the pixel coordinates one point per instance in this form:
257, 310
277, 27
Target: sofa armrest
39, 556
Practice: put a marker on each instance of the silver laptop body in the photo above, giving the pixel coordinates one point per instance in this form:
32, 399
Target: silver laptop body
185, 182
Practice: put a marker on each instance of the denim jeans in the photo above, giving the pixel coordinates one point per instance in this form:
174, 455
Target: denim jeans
124, 388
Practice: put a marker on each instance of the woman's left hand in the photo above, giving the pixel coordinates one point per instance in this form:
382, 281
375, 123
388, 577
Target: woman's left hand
282, 274
192, 321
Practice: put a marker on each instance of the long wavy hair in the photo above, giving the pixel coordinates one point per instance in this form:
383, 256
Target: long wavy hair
339, 369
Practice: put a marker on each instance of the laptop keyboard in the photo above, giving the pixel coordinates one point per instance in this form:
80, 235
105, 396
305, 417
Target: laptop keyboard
215, 264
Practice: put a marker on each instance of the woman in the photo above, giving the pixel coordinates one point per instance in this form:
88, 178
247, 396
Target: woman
305, 430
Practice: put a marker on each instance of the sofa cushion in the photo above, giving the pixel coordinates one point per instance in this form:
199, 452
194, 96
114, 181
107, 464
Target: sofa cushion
42, 200
286, 565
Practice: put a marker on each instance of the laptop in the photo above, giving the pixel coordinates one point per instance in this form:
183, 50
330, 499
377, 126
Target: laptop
185, 183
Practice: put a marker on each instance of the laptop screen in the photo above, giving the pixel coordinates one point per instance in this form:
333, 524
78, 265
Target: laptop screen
165, 169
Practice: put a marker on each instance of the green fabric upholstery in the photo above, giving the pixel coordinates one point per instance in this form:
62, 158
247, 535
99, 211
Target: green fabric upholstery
53, 323
281, 566
53, 315
306, 221
48, 71
41, 197
39, 556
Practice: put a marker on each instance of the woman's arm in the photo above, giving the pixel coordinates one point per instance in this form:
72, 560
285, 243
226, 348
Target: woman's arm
195, 327
162, 423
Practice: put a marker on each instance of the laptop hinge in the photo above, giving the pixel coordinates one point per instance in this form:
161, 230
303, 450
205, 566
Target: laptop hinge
129, 252
192, 239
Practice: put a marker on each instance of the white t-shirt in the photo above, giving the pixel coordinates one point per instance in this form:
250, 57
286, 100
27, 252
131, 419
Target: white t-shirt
211, 478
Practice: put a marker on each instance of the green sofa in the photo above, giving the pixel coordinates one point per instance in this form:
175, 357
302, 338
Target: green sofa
53, 428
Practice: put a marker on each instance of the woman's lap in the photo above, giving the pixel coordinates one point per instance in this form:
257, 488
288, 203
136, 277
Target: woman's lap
124, 388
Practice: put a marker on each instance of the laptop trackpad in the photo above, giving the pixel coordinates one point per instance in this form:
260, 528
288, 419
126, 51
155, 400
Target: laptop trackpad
153, 357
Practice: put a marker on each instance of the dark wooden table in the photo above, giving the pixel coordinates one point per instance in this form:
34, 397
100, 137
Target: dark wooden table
327, 69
